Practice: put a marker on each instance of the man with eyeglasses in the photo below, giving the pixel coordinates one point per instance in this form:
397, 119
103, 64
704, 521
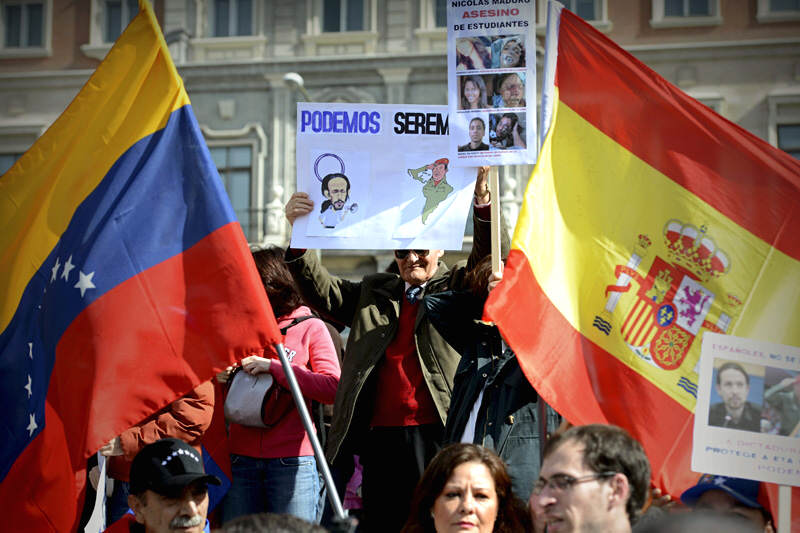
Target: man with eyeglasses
593, 478
397, 375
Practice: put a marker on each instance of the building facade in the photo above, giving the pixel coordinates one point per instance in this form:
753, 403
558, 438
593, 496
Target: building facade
740, 57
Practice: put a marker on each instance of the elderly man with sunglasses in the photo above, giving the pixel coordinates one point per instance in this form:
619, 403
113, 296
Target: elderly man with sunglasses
397, 375
593, 478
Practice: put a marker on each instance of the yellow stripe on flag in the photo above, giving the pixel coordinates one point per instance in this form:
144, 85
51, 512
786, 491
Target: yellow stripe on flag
595, 223
43, 189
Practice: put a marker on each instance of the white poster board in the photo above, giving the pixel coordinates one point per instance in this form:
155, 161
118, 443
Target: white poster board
380, 178
761, 381
491, 81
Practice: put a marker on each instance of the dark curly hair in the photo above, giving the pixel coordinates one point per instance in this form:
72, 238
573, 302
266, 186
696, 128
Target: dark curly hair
283, 294
512, 516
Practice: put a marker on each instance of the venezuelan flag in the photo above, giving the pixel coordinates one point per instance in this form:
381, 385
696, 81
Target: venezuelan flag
648, 220
126, 278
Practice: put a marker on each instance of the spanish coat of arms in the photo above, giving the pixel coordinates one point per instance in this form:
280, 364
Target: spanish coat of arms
672, 302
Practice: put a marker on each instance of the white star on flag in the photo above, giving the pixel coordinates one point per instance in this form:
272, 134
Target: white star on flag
85, 282
30, 350
32, 426
55, 271
29, 387
68, 266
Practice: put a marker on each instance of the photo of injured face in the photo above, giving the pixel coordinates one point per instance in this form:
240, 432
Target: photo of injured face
473, 53
508, 51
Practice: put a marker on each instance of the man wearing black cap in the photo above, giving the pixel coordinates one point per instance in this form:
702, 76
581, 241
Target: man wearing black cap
169, 489
729, 495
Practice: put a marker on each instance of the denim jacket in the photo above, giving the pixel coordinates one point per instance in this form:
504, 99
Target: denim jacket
508, 418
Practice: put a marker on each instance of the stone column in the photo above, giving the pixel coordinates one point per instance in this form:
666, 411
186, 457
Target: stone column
396, 81
280, 177
513, 180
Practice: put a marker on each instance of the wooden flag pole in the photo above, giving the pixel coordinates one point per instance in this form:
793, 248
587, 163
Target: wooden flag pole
494, 195
784, 509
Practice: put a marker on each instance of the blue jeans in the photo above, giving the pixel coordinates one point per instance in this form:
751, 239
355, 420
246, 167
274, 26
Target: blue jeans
286, 485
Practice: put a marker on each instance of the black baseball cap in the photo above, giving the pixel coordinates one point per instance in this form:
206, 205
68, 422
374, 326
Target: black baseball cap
166, 467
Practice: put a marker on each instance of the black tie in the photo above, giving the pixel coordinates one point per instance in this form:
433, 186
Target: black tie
413, 294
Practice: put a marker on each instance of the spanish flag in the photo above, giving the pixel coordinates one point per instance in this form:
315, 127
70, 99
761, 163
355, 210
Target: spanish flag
126, 278
648, 220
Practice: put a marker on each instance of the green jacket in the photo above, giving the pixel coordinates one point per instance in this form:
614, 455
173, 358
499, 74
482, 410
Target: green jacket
371, 308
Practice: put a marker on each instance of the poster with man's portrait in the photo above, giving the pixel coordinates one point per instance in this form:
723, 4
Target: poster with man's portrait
747, 417
380, 178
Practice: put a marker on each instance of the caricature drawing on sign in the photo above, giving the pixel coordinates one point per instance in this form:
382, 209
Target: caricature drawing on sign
436, 188
336, 189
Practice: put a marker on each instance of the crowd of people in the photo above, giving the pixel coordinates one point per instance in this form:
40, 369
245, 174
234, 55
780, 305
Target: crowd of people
431, 412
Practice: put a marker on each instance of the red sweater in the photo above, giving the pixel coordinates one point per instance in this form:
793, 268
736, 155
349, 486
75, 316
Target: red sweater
403, 398
308, 344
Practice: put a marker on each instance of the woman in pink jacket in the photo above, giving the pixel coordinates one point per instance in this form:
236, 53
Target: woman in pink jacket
274, 468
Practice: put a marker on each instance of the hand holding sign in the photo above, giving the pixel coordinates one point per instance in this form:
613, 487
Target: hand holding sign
299, 205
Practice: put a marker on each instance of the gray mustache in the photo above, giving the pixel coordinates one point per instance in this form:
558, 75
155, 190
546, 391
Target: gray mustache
187, 521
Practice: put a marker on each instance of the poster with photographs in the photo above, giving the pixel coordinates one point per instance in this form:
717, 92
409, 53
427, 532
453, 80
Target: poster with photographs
380, 178
491, 58
747, 418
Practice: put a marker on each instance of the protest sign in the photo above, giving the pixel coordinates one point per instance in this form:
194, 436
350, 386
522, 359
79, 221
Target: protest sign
747, 419
491, 65
379, 177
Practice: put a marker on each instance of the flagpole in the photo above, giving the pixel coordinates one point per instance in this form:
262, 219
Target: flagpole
784, 509
494, 195
322, 464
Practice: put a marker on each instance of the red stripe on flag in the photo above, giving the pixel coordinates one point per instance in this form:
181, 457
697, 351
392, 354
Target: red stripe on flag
158, 335
721, 163
768, 497
600, 389
43, 484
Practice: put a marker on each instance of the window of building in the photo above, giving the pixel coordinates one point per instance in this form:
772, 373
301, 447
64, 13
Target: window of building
7, 161
117, 14
342, 15
431, 35
783, 129
784, 5
440, 13
594, 12
778, 10
682, 13
232, 18
235, 166
24, 24
25, 27
585, 9
344, 27
107, 20
687, 8
789, 139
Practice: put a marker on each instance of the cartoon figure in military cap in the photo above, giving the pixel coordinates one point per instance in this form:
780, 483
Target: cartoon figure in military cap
436, 188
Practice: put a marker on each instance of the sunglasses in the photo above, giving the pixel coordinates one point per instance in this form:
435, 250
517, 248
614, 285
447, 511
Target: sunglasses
402, 254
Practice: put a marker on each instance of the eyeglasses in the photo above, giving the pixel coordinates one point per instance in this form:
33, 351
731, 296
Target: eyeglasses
402, 254
563, 482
